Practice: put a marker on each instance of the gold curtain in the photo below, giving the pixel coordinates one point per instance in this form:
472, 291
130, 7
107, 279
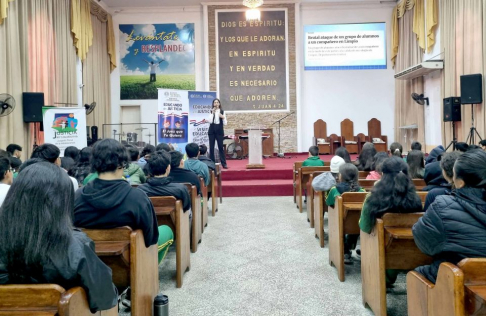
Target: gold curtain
463, 41
407, 111
96, 76
418, 24
81, 26
431, 22
3, 9
105, 17
13, 62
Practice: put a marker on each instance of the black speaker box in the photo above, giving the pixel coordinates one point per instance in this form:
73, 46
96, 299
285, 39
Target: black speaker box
94, 133
32, 103
452, 109
472, 89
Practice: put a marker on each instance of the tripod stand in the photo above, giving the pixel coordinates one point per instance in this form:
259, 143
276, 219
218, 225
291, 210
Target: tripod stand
472, 130
454, 139
281, 154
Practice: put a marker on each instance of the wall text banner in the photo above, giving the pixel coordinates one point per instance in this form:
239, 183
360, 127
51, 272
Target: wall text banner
156, 56
252, 59
65, 127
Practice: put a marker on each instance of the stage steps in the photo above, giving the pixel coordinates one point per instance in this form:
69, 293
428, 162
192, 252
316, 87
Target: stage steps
266, 182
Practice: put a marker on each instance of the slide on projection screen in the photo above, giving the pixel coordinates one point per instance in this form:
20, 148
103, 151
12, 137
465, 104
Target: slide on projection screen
345, 46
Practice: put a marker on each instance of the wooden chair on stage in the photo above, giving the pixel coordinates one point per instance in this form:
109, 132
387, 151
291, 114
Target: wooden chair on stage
375, 137
320, 138
361, 141
349, 140
459, 290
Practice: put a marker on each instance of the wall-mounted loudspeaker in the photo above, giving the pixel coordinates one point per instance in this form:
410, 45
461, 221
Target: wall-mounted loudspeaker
472, 89
452, 109
32, 103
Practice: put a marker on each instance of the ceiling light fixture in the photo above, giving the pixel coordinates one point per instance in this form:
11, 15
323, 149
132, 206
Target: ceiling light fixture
253, 14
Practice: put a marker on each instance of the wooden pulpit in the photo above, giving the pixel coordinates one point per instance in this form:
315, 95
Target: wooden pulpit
255, 149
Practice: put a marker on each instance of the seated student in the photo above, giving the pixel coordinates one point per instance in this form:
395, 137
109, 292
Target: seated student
454, 226
67, 163
192, 163
343, 153
47, 248
133, 170
203, 150
416, 164
326, 180
462, 146
348, 182
163, 146
181, 175
483, 144
447, 165
160, 184
434, 154
396, 149
378, 159
433, 175
72, 152
416, 146
313, 159
394, 193
110, 202
15, 152
82, 168
6, 178
50, 153
365, 159
145, 155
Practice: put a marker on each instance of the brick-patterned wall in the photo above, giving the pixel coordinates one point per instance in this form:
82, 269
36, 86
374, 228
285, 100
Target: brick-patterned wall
288, 127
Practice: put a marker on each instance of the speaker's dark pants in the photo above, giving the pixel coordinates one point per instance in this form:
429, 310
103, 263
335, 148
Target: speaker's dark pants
219, 138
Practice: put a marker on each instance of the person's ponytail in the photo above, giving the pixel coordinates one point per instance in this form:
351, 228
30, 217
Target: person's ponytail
402, 182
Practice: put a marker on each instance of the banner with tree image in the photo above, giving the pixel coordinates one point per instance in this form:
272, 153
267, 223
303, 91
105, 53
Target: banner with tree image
65, 127
156, 56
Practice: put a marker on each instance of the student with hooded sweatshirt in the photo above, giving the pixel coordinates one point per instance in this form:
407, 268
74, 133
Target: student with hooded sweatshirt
454, 226
133, 170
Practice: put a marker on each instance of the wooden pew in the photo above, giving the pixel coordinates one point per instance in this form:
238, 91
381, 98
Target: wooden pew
196, 227
204, 195
303, 178
459, 290
363, 174
212, 187
389, 246
132, 264
310, 198
419, 184
295, 172
44, 300
367, 184
343, 219
169, 212
320, 208
219, 180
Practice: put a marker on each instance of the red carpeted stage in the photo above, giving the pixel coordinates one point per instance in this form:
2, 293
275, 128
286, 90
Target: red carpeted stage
274, 180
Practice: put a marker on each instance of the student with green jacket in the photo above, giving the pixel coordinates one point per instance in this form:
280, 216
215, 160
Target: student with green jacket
313, 160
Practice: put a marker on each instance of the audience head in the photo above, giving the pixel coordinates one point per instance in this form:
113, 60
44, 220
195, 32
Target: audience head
462, 146
48, 152
343, 153
336, 163
44, 194
14, 150
67, 163
447, 165
365, 160
108, 156
133, 153
203, 149
470, 170
434, 155
176, 159
6, 172
473, 147
72, 152
159, 164
15, 164
192, 150
313, 151
85, 155
348, 173
396, 149
416, 146
163, 146
30, 162
416, 164
4, 153
483, 144
378, 160
147, 150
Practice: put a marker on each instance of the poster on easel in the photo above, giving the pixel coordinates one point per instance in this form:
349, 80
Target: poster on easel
65, 127
182, 117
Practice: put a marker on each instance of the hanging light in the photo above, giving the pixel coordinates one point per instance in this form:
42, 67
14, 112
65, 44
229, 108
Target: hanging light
253, 14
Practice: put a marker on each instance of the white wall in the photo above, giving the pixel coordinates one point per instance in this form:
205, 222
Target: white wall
355, 94
148, 108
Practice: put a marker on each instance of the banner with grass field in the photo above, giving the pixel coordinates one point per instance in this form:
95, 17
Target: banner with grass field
156, 56
65, 127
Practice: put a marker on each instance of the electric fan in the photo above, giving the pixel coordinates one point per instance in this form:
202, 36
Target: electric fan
234, 151
7, 104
